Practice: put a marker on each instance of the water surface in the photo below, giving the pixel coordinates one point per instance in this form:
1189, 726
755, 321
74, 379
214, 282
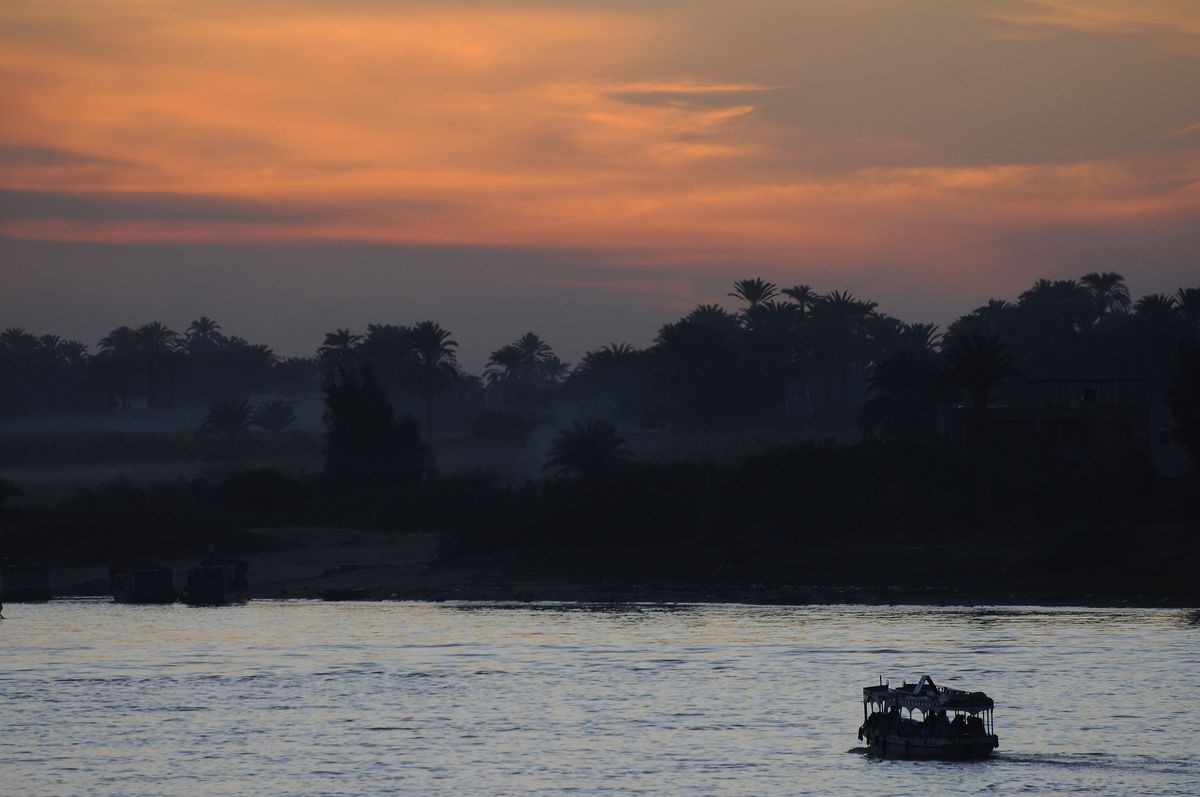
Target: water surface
300, 698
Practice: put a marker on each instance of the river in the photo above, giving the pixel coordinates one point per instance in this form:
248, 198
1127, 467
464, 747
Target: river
308, 698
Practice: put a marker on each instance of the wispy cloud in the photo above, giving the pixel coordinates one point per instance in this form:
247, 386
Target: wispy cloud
1105, 16
662, 133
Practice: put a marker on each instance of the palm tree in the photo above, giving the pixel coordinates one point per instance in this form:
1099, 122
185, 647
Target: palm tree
608, 358
528, 360
613, 376
118, 360
203, 329
50, 345
502, 363
274, 416
1108, 291
839, 336
522, 372
803, 295
976, 362
533, 349
711, 315
586, 450
436, 365
72, 352
905, 385
228, 417
699, 362
1188, 302
753, 291
338, 345
997, 317
157, 346
17, 338
389, 350
1057, 308
923, 337
1156, 309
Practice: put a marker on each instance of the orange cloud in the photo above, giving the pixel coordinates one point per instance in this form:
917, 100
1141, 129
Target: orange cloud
1107, 16
527, 126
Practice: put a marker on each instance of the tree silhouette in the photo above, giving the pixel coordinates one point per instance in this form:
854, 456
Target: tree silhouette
364, 441
612, 381
906, 386
976, 363
17, 338
753, 292
274, 416
1155, 308
203, 332
839, 338
803, 296
118, 360
518, 372
157, 346
295, 376
389, 350
1187, 301
227, 417
1108, 291
436, 366
586, 450
337, 346
922, 337
699, 362
1054, 309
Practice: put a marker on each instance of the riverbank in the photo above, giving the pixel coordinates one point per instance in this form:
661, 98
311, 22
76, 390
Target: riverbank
981, 569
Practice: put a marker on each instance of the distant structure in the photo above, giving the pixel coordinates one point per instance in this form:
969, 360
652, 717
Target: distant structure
141, 582
1081, 420
216, 582
27, 583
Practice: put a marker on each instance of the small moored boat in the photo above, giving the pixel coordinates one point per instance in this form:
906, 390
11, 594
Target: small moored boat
953, 724
217, 582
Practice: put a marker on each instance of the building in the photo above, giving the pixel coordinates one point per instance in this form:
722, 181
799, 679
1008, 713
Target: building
1082, 421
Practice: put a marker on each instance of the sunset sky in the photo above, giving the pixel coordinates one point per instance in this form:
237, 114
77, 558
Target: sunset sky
584, 169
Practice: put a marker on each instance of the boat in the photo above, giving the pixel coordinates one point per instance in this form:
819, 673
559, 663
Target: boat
217, 582
141, 582
953, 724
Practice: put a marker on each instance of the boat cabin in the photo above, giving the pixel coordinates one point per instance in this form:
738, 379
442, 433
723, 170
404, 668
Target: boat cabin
924, 720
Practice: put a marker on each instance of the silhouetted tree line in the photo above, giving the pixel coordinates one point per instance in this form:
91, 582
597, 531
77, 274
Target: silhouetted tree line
757, 519
151, 364
790, 356
753, 520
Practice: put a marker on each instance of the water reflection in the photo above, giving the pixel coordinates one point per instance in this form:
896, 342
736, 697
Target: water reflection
299, 698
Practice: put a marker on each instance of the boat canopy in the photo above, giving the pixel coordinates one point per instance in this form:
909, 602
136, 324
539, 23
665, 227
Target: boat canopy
927, 696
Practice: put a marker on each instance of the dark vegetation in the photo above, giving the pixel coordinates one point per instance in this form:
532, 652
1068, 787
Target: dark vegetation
783, 358
903, 506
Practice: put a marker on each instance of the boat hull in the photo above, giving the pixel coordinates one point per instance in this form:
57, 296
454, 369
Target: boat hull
958, 749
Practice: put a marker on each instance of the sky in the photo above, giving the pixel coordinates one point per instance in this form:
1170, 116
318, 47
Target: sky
587, 170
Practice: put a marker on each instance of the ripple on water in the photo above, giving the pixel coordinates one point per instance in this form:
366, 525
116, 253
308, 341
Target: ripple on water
303, 698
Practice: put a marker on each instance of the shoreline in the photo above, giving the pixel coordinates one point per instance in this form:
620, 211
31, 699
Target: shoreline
338, 564
696, 595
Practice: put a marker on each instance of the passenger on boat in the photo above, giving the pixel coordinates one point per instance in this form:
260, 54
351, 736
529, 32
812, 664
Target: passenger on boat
959, 726
975, 726
941, 724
